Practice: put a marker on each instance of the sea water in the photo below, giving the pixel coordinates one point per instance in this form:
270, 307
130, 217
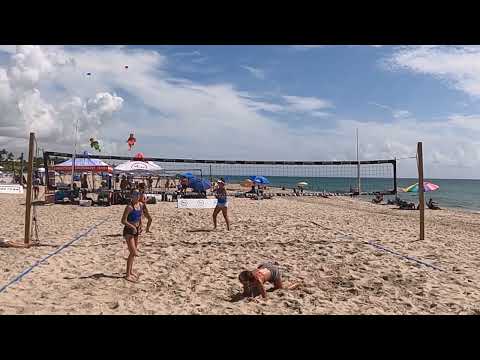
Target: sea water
460, 194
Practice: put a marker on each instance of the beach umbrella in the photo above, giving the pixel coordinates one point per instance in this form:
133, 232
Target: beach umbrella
427, 187
259, 180
302, 184
188, 175
199, 185
138, 167
1, 167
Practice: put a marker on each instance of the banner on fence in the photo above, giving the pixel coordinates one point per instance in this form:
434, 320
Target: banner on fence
11, 189
196, 203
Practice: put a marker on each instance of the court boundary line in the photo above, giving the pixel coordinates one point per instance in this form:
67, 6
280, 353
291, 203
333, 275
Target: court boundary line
61, 248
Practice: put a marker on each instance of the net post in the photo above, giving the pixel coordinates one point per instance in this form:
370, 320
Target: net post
395, 176
421, 197
21, 169
28, 200
358, 169
47, 175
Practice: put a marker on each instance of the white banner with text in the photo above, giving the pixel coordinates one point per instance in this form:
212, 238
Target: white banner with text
11, 189
196, 203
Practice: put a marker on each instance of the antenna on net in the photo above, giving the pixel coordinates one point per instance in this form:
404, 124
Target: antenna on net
358, 168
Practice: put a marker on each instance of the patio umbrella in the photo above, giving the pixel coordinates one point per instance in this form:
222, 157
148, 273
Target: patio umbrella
199, 185
188, 175
260, 180
138, 166
427, 187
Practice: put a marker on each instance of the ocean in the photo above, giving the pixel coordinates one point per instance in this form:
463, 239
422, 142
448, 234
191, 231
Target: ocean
453, 193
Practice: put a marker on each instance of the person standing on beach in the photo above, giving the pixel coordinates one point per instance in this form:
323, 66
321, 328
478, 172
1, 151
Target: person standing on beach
36, 186
84, 182
132, 221
221, 195
143, 200
150, 183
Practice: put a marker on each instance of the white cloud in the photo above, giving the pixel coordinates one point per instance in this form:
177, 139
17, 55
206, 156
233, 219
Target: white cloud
256, 72
401, 114
46, 90
188, 53
458, 65
299, 103
26, 107
320, 114
396, 113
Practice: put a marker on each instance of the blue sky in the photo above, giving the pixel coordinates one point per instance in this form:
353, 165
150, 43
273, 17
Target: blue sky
250, 102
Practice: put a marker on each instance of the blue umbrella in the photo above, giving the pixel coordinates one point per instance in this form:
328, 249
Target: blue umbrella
199, 185
187, 175
259, 180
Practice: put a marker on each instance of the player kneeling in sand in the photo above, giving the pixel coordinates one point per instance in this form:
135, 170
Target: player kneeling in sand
253, 281
132, 219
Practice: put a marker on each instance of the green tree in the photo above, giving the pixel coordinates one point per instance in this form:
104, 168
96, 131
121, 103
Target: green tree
3, 154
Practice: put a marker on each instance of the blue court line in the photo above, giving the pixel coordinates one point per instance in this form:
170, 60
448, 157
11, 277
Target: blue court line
404, 256
64, 246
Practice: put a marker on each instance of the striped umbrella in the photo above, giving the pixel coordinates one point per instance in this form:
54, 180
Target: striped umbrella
427, 187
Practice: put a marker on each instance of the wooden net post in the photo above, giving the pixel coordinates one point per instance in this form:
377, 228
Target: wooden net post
421, 196
28, 200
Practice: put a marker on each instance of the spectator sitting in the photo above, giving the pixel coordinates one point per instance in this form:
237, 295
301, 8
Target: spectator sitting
124, 183
378, 199
433, 205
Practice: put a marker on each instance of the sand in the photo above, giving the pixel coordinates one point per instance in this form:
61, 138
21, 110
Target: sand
184, 270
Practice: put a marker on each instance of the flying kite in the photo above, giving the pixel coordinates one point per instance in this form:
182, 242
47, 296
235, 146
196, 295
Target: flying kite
94, 144
131, 142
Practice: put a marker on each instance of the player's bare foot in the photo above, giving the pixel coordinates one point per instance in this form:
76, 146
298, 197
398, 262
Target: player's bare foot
131, 278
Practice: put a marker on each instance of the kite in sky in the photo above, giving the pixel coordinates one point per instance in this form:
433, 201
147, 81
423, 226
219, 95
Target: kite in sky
94, 144
131, 141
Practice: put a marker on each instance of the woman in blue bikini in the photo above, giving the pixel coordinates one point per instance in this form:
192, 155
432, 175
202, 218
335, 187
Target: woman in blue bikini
132, 220
221, 195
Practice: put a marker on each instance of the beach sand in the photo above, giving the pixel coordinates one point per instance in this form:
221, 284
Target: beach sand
184, 270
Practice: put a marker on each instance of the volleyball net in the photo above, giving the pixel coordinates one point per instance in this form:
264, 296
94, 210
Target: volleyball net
344, 177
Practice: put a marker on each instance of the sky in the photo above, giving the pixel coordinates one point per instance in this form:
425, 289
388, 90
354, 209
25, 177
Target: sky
291, 102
